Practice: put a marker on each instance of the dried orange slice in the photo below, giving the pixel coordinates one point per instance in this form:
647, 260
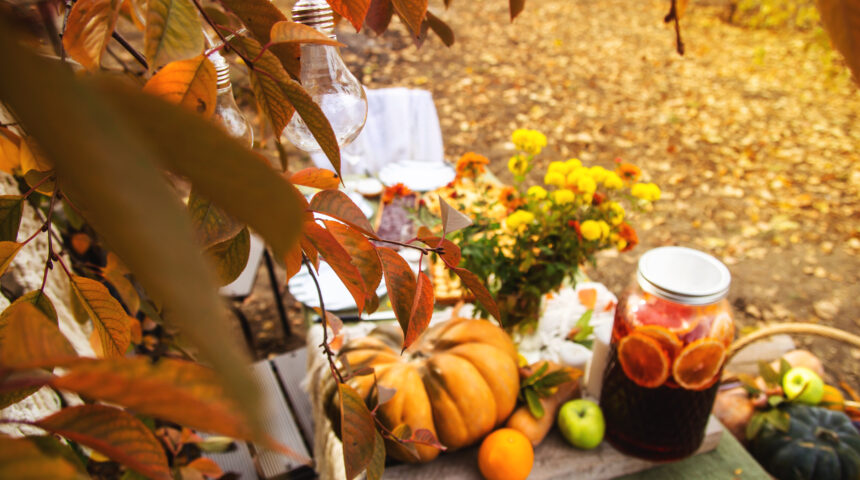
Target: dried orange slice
667, 340
698, 365
643, 360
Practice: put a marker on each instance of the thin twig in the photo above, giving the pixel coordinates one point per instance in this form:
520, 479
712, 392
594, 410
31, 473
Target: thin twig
326, 348
424, 250
130, 49
49, 263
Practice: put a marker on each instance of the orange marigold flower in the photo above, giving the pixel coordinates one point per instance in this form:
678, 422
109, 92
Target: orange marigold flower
628, 171
510, 198
628, 234
394, 191
471, 165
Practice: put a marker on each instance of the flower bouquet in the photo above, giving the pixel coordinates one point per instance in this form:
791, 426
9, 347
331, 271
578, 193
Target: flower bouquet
526, 242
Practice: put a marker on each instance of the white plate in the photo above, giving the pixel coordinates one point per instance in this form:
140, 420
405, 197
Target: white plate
335, 294
418, 176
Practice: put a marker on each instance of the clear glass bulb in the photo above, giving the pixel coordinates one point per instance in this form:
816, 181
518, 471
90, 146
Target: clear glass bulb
227, 113
331, 85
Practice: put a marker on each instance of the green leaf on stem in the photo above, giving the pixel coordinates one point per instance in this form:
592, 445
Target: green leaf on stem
358, 431
173, 32
231, 256
114, 433
533, 402
11, 210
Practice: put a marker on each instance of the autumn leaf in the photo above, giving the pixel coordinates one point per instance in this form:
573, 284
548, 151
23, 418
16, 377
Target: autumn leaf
133, 11
29, 339
352, 10
452, 219
321, 178
173, 32
108, 316
32, 160
114, 433
207, 467
8, 250
259, 16
841, 19
474, 284
286, 31
422, 310
231, 256
358, 432
339, 260
401, 284
11, 209
450, 251
115, 273
212, 225
190, 83
379, 15
412, 12
440, 28
293, 261
265, 81
377, 463
337, 204
362, 252
28, 458
88, 30
10, 152
516, 7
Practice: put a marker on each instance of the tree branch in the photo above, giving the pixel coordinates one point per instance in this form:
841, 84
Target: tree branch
326, 348
130, 49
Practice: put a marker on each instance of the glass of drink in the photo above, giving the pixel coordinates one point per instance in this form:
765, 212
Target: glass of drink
669, 341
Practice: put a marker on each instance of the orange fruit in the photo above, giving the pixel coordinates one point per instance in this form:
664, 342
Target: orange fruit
643, 360
832, 399
506, 454
723, 329
698, 366
667, 340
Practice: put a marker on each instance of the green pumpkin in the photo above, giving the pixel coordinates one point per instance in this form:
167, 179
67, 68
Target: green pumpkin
820, 444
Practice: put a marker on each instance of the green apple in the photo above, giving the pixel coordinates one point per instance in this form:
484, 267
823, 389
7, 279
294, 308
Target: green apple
581, 423
802, 385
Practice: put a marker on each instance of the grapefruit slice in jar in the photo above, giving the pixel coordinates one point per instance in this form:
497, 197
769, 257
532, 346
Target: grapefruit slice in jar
723, 329
643, 360
698, 366
668, 341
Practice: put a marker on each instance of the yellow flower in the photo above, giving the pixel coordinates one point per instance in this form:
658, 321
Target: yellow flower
529, 141
586, 185
562, 197
554, 178
558, 167
590, 230
616, 212
646, 191
573, 164
612, 181
598, 173
537, 192
519, 219
575, 174
604, 229
518, 165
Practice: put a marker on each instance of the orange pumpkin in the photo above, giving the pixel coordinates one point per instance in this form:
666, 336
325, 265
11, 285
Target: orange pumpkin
459, 380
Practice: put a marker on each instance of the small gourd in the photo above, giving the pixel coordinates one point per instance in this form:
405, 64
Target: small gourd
820, 444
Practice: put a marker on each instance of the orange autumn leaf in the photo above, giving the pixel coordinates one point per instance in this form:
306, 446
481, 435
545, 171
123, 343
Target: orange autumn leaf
190, 83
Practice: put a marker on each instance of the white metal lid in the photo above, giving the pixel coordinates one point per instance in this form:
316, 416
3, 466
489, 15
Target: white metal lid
683, 275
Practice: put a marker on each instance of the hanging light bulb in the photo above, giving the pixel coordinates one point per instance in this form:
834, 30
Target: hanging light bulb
227, 113
331, 85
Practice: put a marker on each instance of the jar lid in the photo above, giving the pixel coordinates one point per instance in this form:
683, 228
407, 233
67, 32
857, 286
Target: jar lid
683, 275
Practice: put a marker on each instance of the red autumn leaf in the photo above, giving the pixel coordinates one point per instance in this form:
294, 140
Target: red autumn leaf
29, 339
587, 297
481, 293
310, 251
379, 15
440, 28
412, 12
363, 254
182, 392
450, 250
207, 467
352, 10
339, 260
422, 310
426, 437
332, 320
357, 431
401, 284
337, 204
293, 260
313, 177
114, 433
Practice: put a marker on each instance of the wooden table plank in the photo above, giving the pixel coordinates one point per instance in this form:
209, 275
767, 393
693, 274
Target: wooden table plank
237, 461
291, 368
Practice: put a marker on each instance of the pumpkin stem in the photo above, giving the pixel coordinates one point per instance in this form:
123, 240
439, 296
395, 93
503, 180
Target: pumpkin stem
826, 435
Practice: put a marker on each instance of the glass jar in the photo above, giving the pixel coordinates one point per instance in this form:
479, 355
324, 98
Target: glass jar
669, 341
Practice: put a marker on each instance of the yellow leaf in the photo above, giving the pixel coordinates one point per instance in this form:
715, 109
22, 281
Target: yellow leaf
8, 250
89, 29
33, 159
10, 155
31, 340
173, 32
108, 316
190, 83
293, 32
